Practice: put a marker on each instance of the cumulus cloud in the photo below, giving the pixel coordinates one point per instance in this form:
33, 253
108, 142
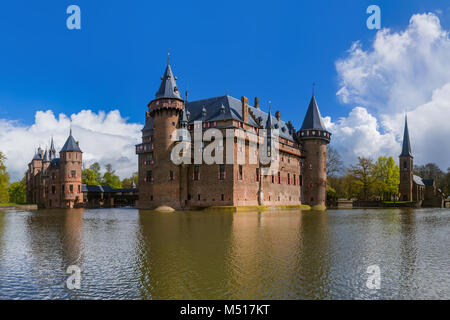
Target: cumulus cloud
405, 70
103, 137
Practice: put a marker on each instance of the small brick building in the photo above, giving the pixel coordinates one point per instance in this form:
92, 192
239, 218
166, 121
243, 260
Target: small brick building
299, 179
56, 182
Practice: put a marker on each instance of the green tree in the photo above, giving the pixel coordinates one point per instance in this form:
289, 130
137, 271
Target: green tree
127, 182
17, 192
387, 177
335, 166
4, 180
110, 178
361, 176
92, 175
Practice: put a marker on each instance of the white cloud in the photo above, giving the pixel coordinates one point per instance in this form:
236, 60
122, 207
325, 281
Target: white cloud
103, 137
402, 70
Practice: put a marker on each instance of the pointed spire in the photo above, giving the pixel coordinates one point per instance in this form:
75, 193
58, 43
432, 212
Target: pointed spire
52, 150
71, 144
406, 148
313, 120
46, 158
269, 124
168, 87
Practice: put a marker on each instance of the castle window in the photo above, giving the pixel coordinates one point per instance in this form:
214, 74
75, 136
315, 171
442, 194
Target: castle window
295, 180
222, 172
171, 177
149, 176
240, 173
151, 198
257, 175
223, 197
53, 189
196, 175
71, 188
198, 197
273, 178
301, 180
173, 124
279, 177
289, 178
73, 174
405, 167
79, 189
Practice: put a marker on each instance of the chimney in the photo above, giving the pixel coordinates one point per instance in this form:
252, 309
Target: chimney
256, 103
244, 101
278, 115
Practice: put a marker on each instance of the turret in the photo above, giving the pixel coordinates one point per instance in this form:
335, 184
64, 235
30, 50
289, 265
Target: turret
314, 137
406, 167
70, 172
159, 177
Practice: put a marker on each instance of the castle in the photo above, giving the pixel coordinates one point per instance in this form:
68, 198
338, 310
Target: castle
422, 192
56, 182
299, 179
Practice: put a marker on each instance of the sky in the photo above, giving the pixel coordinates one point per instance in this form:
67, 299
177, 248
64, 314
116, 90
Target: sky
102, 77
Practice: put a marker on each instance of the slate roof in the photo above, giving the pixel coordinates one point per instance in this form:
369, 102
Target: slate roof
313, 119
71, 144
229, 108
406, 148
168, 87
418, 180
54, 163
148, 127
37, 156
46, 158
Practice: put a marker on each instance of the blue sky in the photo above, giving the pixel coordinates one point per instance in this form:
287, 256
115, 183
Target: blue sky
271, 49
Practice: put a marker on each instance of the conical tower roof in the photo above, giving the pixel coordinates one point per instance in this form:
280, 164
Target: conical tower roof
71, 144
406, 148
269, 122
313, 120
46, 158
168, 87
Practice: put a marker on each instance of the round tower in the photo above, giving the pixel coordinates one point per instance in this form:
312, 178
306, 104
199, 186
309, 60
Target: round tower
160, 175
70, 173
314, 137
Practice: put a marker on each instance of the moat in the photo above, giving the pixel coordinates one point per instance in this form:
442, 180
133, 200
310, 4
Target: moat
131, 254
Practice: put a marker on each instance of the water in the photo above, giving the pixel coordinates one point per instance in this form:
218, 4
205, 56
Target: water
131, 254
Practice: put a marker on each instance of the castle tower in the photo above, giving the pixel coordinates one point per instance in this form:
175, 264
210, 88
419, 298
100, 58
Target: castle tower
406, 167
70, 173
158, 176
314, 138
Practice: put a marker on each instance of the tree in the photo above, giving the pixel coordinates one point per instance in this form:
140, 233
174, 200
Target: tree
4, 180
362, 176
127, 182
92, 175
387, 177
111, 179
431, 171
335, 166
17, 192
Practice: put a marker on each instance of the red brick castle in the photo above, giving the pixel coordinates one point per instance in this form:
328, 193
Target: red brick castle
299, 179
56, 182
